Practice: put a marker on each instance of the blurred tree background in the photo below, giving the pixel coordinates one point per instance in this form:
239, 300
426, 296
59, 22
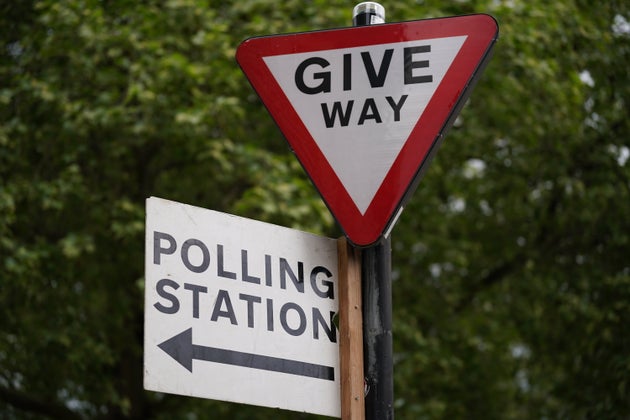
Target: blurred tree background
511, 262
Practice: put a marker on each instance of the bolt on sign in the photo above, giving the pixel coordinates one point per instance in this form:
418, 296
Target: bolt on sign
239, 310
365, 108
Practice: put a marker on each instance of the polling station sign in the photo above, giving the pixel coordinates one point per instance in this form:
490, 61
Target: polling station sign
239, 310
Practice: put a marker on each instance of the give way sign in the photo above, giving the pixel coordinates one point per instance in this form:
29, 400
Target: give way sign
365, 108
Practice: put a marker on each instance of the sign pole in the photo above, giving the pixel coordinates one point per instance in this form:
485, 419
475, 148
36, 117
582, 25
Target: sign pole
376, 294
377, 331
350, 332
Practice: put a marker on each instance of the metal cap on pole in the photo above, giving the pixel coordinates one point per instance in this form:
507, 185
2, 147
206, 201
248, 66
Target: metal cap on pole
368, 13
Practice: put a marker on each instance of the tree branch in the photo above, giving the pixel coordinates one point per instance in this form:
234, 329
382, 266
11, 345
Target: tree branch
493, 277
28, 403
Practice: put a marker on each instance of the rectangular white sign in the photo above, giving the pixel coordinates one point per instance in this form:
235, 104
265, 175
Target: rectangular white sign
239, 310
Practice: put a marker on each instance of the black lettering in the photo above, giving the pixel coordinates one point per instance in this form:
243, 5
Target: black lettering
195, 294
223, 296
204, 251
329, 292
160, 288
298, 281
220, 271
369, 106
283, 319
410, 64
344, 116
347, 72
246, 277
268, 270
396, 107
157, 248
377, 79
324, 86
269, 315
250, 307
329, 329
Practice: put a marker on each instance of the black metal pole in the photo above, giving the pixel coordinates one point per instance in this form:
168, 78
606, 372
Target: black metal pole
377, 331
377, 294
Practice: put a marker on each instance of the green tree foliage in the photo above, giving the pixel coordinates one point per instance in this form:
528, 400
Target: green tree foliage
511, 269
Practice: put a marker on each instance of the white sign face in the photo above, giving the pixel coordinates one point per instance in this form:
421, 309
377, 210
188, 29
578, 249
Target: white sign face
239, 310
361, 104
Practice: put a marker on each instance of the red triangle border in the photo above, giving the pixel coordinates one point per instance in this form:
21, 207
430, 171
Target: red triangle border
366, 229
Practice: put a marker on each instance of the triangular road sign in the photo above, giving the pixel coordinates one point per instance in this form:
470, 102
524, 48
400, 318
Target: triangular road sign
364, 108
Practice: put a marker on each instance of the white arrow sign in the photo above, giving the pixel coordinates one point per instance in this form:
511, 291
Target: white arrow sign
239, 310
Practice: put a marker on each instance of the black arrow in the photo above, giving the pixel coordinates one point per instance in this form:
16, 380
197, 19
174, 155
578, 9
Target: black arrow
182, 349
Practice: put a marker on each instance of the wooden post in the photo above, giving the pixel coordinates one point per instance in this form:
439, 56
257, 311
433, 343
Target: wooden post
350, 332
